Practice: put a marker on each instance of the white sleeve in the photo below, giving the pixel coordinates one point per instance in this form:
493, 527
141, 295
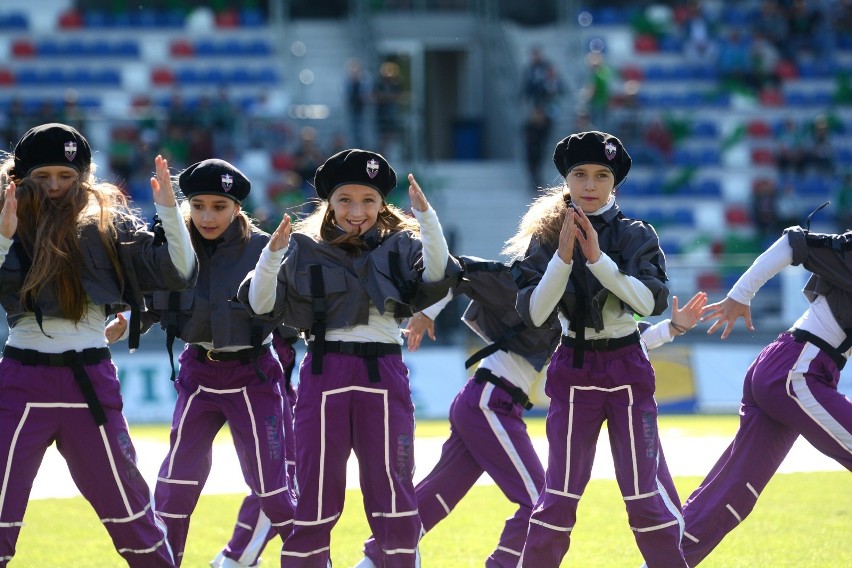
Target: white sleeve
177, 239
5, 246
435, 250
627, 288
435, 309
264, 283
658, 334
771, 262
549, 290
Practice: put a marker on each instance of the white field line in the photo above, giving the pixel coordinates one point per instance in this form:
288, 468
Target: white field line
686, 455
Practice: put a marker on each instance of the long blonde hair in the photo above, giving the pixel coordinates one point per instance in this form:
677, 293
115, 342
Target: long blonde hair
544, 219
49, 231
320, 226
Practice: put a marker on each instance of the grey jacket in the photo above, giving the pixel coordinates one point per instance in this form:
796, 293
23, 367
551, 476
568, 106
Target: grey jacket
829, 259
146, 267
492, 314
632, 244
208, 312
389, 276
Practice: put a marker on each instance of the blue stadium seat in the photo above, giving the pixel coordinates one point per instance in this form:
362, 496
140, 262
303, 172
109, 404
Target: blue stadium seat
251, 18
207, 48
96, 19
705, 129
14, 21
170, 18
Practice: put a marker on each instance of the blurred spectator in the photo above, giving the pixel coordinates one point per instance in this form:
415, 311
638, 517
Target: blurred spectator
308, 157
357, 92
175, 146
843, 203
178, 113
789, 153
818, 150
804, 23
700, 44
15, 122
541, 85
123, 155
537, 129
765, 60
223, 116
658, 142
735, 61
764, 208
71, 113
789, 205
771, 23
387, 93
598, 90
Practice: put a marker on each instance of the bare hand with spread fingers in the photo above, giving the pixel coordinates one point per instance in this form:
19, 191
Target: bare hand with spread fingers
726, 313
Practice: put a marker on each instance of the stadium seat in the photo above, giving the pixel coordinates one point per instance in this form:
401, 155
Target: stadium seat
69, 20
23, 48
162, 76
181, 48
644, 43
705, 129
762, 156
758, 129
7, 78
14, 22
227, 19
251, 17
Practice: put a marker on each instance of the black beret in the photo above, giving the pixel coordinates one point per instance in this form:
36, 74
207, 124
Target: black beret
214, 177
592, 148
51, 144
354, 166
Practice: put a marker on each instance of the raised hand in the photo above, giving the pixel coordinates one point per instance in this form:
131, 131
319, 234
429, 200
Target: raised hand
418, 324
164, 193
684, 319
280, 238
726, 313
9, 213
418, 198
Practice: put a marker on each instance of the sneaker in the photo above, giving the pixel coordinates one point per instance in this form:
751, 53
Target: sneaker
217, 562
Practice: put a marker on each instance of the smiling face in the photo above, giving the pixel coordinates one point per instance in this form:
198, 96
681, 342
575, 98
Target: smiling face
355, 207
212, 214
591, 186
56, 180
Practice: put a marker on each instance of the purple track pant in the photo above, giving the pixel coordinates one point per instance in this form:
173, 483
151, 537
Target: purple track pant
790, 389
617, 387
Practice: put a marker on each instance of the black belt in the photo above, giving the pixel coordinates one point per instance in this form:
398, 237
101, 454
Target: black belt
368, 350
243, 355
518, 395
608, 344
803, 336
75, 360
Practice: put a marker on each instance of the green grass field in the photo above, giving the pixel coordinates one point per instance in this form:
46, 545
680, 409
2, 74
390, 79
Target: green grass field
801, 520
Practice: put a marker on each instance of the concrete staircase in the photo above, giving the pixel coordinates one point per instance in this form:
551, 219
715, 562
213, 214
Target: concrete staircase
479, 203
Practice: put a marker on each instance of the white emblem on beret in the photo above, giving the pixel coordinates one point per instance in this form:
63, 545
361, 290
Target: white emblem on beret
372, 168
71, 150
227, 182
609, 150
